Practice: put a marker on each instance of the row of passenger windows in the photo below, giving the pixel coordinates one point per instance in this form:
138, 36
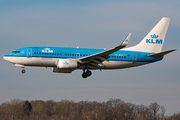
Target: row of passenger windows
73, 54
47, 53
118, 56
60, 54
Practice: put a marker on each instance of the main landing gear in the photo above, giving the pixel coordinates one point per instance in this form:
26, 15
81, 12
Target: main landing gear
86, 74
23, 70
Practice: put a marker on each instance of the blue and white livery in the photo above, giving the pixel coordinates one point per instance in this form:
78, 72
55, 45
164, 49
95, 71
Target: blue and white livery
66, 60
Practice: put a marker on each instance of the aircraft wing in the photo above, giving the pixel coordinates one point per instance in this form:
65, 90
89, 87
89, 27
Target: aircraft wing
98, 58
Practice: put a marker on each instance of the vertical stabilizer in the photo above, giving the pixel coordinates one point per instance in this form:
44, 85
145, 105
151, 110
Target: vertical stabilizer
154, 40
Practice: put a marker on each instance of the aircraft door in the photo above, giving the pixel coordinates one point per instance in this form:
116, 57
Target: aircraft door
29, 52
77, 55
134, 57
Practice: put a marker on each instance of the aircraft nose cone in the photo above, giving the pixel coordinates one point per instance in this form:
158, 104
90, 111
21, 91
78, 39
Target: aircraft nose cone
4, 57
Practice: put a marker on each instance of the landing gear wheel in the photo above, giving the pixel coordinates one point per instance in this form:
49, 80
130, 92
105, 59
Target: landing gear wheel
84, 75
86, 72
89, 73
23, 71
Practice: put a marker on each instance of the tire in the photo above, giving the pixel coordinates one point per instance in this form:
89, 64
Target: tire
84, 75
23, 71
89, 73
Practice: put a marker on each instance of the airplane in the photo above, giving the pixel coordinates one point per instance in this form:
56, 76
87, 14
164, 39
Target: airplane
66, 60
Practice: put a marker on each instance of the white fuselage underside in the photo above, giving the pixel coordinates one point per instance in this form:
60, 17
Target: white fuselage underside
51, 62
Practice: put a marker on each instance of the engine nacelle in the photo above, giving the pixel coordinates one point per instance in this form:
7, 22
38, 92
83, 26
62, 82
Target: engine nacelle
58, 70
67, 64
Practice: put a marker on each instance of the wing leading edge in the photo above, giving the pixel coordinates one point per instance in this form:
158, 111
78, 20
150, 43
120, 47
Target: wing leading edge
98, 58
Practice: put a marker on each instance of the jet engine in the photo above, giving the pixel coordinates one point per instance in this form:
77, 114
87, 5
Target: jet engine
67, 64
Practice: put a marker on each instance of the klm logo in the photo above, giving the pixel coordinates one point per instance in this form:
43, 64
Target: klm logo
47, 50
154, 40
65, 63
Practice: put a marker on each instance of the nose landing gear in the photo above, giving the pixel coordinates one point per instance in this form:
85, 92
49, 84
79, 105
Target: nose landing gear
23, 70
86, 74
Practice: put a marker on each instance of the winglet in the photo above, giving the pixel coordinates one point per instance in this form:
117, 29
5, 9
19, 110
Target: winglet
126, 40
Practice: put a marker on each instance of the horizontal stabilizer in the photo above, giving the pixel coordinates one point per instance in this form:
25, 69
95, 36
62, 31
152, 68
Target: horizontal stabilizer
161, 53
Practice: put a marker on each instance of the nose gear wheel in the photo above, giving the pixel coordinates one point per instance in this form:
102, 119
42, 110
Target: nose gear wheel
23, 71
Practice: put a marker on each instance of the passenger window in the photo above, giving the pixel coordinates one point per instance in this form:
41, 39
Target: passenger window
37, 52
45, 53
57, 53
34, 52
42, 53
52, 53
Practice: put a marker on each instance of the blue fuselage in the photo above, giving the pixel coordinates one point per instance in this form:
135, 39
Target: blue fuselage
46, 56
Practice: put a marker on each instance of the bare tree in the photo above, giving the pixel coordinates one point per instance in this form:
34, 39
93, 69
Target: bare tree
114, 102
163, 110
154, 108
113, 109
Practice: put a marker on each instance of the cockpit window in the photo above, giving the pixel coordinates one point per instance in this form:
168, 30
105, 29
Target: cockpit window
15, 52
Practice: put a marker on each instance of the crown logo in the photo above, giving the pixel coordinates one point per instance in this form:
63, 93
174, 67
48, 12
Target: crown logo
154, 36
65, 63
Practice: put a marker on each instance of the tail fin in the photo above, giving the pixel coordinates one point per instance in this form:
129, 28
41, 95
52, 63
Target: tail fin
154, 40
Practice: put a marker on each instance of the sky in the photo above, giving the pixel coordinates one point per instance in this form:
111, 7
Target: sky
89, 24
